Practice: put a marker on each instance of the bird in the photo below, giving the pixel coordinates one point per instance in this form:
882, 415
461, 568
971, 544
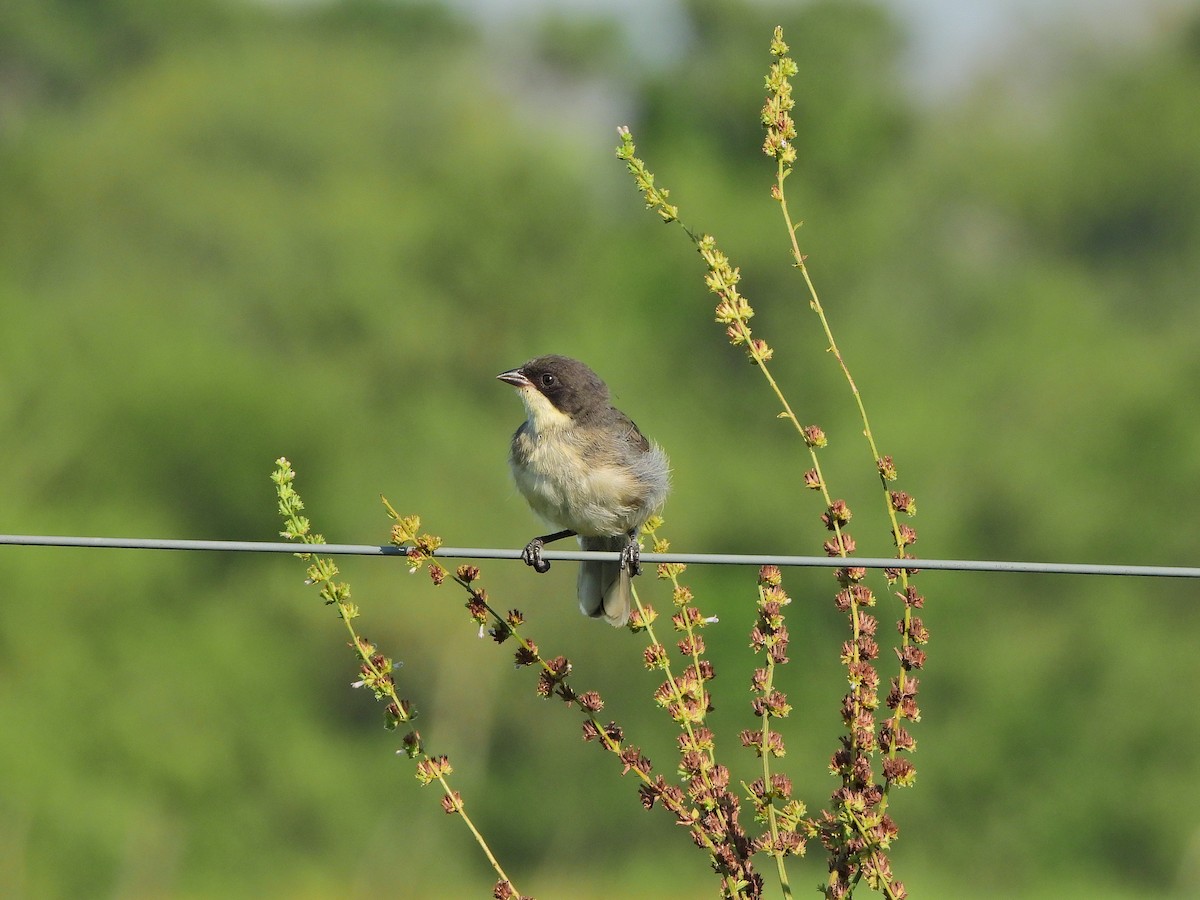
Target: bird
585, 467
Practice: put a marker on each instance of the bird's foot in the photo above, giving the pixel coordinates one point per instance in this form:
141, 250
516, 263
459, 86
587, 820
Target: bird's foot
532, 556
631, 557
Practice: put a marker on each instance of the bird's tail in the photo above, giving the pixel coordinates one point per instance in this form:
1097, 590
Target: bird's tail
604, 587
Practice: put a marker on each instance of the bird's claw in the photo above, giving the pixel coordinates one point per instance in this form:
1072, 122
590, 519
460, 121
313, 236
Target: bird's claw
631, 558
532, 556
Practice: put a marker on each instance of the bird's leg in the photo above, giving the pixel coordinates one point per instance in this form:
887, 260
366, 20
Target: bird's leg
532, 554
632, 554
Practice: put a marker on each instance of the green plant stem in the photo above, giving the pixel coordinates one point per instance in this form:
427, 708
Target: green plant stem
460, 809
782, 173
673, 575
685, 722
609, 743
406, 717
322, 571
815, 304
772, 821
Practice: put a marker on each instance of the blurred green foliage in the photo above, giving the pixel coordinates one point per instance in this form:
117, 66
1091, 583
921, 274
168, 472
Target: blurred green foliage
230, 232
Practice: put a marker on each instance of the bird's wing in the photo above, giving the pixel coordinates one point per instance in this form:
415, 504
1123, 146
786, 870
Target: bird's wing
634, 435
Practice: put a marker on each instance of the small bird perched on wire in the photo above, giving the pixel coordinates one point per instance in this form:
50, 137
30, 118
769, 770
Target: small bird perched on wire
584, 467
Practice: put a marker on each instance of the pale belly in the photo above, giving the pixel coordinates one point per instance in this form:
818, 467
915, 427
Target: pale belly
591, 501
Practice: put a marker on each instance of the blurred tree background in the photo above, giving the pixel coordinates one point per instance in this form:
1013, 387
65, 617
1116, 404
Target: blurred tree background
231, 231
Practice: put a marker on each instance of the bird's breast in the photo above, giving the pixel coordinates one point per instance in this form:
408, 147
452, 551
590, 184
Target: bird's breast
571, 487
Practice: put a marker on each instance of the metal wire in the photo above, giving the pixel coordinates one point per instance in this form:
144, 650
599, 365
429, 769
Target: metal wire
734, 559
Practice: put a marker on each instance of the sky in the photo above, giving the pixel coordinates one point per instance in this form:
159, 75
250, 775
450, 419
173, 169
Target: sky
950, 41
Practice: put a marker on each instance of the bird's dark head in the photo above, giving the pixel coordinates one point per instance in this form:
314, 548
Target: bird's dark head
554, 388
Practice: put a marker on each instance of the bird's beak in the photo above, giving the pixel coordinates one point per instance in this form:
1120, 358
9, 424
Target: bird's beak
515, 377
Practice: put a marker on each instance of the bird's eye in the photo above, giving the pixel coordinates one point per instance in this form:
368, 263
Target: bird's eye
548, 379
